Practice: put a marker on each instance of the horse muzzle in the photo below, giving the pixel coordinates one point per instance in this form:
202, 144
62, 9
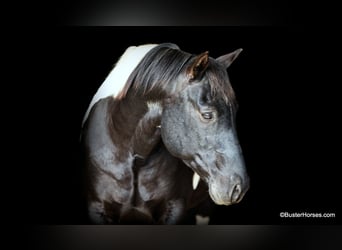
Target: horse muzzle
228, 191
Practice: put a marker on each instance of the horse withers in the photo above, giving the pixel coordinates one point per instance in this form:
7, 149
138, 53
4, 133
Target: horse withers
166, 142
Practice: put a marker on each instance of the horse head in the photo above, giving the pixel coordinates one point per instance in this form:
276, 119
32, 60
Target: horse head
198, 127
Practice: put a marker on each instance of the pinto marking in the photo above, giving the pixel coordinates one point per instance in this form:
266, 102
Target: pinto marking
117, 78
195, 181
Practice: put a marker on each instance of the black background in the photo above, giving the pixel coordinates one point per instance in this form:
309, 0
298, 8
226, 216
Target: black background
284, 122
286, 81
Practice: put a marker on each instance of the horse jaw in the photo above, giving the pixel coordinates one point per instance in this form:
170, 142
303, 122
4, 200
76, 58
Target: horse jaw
195, 181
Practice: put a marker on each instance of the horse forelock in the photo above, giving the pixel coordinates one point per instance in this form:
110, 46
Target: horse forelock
219, 83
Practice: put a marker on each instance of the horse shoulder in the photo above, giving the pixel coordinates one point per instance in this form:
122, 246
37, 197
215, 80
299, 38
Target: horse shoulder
111, 173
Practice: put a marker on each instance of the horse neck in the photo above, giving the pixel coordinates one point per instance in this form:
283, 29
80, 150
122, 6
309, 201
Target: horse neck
134, 122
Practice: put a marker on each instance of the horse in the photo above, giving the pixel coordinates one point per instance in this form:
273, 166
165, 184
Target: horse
160, 140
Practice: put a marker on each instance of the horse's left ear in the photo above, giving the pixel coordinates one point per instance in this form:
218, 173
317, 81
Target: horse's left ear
198, 66
229, 58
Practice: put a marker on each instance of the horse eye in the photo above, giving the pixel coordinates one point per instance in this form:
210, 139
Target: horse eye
207, 115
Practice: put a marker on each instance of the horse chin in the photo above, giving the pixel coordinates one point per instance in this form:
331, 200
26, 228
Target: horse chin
219, 201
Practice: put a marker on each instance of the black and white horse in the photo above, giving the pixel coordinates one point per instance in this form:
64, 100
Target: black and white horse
160, 140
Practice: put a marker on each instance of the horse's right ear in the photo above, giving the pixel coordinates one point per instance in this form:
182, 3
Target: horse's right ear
198, 66
228, 59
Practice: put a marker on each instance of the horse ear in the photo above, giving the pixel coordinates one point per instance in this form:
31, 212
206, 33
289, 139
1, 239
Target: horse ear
229, 58
198, 66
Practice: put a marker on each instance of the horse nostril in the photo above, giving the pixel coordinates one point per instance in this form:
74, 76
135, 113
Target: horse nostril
236, 192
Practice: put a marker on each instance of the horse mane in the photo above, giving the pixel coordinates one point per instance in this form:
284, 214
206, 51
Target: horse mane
160, 65
166, 62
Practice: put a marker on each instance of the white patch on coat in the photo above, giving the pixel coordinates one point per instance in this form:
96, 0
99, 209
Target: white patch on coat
195, 181
154, 106
202, 220
118, 77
